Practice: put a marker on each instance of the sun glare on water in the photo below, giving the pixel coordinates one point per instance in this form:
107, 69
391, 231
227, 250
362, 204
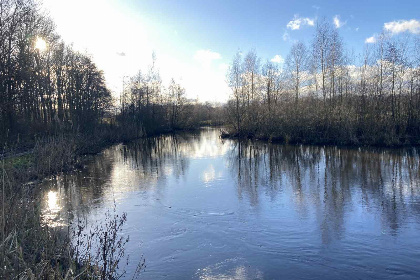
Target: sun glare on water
51, 215
53, 201
40, 44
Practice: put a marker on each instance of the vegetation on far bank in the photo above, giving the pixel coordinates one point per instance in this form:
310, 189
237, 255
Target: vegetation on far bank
323, 95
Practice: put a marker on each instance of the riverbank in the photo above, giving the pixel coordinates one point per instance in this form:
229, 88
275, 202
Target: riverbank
47, 251
194, 199
29, 247
317, 139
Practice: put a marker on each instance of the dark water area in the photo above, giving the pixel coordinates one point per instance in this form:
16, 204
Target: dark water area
199, 207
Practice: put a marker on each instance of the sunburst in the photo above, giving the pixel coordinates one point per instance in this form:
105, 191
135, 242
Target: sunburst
40, 44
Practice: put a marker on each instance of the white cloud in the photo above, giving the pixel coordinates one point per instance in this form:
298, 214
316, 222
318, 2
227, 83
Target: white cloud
357, 29
395, 27
205, 57
337, 22
297, 22
370, 40
278, 59
309, 21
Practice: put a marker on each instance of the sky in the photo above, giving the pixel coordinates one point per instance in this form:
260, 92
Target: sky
195, 41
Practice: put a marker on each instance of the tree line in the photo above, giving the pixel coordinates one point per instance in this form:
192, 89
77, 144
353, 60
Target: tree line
324, 94
154, 108
45, 85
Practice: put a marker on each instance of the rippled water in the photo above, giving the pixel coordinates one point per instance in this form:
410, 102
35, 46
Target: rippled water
205, 208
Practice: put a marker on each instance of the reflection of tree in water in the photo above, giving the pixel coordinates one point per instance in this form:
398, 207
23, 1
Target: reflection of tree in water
262, 165
149, 162
78, 191
330, 180
326, 182
160, 155
152, 155
245, 160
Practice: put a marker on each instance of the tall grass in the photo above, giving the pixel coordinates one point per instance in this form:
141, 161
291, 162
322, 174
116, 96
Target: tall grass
29, 248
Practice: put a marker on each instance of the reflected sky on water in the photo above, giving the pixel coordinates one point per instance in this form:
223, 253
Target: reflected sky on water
205, 208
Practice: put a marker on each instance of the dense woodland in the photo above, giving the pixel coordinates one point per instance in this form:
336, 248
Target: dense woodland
43, 90
325, 94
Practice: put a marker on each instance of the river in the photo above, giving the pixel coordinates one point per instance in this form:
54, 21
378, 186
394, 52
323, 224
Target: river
199, 207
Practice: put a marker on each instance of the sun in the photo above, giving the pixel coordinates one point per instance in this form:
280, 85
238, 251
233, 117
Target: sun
40, 44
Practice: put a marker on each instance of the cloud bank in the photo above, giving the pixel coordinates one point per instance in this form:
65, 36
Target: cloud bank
395, 27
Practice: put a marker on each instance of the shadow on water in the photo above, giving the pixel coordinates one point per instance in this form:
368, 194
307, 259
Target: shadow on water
251, 209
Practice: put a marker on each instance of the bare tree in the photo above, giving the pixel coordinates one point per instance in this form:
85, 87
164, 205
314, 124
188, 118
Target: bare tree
297, 63
236, 82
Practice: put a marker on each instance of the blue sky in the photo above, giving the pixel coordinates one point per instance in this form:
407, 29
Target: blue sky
196, 40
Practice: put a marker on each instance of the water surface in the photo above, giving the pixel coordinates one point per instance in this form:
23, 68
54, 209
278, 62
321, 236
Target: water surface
199, 207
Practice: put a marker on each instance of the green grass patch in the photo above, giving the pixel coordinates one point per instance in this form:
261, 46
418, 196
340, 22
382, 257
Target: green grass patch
19, 162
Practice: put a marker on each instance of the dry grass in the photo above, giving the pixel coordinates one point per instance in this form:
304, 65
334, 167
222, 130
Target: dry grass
30, 249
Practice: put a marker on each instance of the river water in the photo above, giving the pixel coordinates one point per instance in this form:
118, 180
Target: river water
199, 207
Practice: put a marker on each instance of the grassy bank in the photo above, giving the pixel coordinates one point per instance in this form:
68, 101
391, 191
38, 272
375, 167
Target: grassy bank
383, 142
30, 249
315, 136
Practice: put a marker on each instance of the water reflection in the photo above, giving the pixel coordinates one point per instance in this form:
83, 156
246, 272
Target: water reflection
52, 201
142, 165
52, 215
331, 181
194, 198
